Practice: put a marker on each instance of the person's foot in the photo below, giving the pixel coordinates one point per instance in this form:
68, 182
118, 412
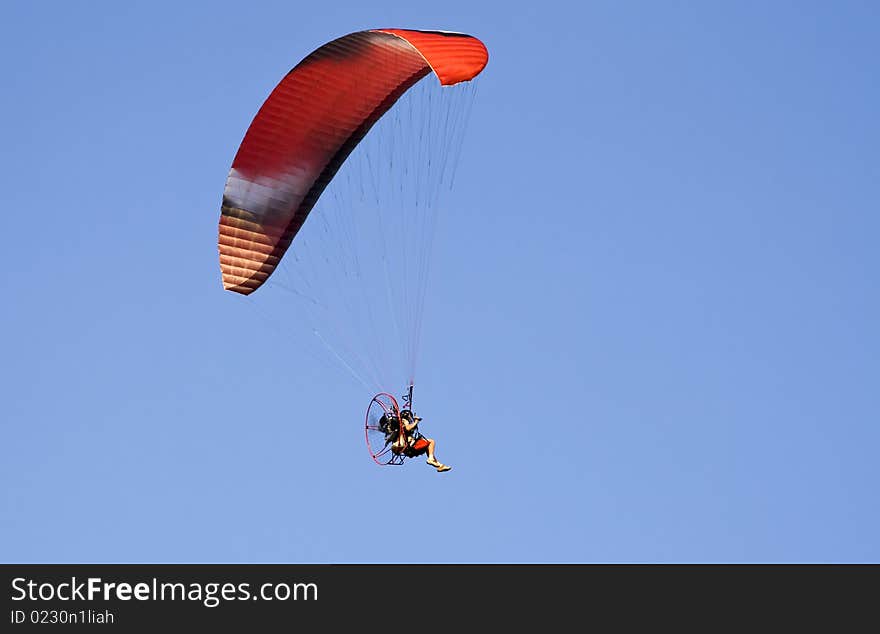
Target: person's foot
443, 467
433, 462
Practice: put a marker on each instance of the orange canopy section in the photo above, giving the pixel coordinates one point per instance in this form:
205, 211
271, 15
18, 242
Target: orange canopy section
308, 126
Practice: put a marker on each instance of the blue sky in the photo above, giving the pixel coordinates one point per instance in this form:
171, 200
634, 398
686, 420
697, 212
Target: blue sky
652, 320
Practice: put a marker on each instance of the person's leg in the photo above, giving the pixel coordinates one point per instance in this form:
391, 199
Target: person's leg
431, 445
433, 460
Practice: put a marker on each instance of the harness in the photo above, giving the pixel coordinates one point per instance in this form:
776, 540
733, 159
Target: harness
392, 427
412, 437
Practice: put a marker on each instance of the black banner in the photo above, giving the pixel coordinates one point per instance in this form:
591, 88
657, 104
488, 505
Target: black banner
376, 596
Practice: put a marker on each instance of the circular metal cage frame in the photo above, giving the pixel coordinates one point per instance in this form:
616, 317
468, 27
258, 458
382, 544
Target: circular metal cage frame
380, 449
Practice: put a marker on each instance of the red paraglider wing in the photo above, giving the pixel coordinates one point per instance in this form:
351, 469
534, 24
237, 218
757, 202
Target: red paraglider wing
308, 126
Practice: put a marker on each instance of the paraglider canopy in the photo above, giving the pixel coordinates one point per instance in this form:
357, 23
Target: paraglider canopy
308, 126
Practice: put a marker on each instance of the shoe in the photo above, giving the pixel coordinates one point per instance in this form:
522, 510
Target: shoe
443, 467
433, 463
